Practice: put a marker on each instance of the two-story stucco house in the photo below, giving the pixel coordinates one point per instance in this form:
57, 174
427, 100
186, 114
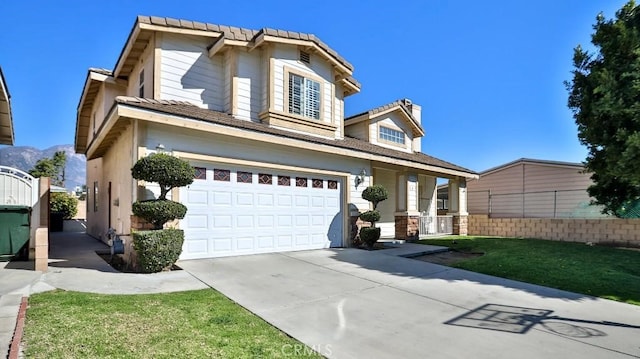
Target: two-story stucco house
260, 115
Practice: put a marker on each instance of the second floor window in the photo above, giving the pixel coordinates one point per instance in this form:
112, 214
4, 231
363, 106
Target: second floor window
304, 96
389, 134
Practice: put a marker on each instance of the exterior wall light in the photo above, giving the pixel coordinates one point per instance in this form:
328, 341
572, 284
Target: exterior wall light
360, 178
160, 148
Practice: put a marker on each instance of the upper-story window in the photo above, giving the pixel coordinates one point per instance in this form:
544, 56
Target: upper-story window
304, 96
141, 84
389, 134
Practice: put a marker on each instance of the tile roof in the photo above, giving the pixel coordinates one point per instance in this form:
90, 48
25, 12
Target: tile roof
402, 103
243, 34
187, 109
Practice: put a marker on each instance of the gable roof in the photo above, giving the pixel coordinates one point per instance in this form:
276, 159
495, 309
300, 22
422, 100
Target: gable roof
226, 36
399, 105
95, 78
6, 119
185, 109
532, 161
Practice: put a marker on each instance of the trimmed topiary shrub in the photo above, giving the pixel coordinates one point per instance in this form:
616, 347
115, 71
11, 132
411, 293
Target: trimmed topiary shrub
166, 170
374, 194
158, 250
64, 203
369, 235
370, 216
159, 212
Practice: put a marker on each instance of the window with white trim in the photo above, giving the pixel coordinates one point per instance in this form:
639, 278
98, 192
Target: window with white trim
304, 96
389, 134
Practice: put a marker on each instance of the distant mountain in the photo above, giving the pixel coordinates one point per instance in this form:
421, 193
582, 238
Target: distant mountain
25, 157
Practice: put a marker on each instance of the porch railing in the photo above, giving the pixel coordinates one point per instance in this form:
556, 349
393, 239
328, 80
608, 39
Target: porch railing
435, 225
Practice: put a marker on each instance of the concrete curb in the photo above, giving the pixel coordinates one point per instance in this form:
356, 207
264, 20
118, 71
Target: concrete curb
14, 347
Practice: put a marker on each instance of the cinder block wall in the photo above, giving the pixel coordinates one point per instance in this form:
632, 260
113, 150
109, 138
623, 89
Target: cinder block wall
610, 231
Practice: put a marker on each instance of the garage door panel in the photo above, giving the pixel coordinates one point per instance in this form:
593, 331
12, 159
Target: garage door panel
285, 221
265, 242
285, 201
244, 199
302, 239
221, 198
317, 202
227, 218
244, 221
197, 245
302, 220
317, 220
244, 243
197, 221
302, 201
265, 200
196, 197
265, 221
222, 221
222, 245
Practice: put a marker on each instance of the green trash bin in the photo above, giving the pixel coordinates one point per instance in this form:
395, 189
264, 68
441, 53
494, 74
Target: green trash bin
14, 230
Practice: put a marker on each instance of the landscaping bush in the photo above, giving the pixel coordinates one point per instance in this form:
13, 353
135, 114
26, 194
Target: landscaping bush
369, 235
158, 250
370, 216
166, 170
67, 205
374, 194
159, 212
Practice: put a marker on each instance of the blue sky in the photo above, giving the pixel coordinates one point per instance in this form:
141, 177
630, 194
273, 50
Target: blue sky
488, 74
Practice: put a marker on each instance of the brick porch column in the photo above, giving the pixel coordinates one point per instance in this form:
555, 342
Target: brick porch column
407, 227
460, 224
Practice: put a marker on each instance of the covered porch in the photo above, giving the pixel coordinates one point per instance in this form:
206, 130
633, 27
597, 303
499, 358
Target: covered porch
410, 212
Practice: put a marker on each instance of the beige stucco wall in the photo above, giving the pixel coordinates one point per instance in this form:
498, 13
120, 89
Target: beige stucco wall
610, 231
115, 168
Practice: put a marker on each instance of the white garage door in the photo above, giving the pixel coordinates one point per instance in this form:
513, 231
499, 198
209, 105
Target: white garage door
237, 211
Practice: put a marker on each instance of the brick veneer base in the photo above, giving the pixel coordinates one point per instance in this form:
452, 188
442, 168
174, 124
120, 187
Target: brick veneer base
407, 228
609, 231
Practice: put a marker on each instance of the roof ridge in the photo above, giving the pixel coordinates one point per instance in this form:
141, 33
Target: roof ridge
243, 34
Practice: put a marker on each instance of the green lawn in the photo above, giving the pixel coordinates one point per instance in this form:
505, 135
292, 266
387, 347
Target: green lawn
605, 272
196, 324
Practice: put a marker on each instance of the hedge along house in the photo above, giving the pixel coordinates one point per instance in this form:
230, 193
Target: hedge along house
260, 115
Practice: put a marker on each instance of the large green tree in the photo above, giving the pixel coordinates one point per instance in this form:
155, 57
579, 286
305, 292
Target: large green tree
52, 168
604, 96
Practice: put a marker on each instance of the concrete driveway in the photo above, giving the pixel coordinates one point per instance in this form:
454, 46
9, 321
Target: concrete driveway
349, 303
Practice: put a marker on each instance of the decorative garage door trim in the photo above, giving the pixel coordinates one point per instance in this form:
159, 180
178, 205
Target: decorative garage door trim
236, 210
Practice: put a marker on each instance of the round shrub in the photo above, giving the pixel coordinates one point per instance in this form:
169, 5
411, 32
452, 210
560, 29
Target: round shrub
375, 194
369, 235
60, 202
166, 170
158, 250
370, 216
159, 211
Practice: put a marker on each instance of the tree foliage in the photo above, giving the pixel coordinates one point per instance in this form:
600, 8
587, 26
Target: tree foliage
52, 168
64, 203
604, 95
166, 170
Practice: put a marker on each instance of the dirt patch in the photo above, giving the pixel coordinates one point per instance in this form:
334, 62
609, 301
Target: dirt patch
447, 258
